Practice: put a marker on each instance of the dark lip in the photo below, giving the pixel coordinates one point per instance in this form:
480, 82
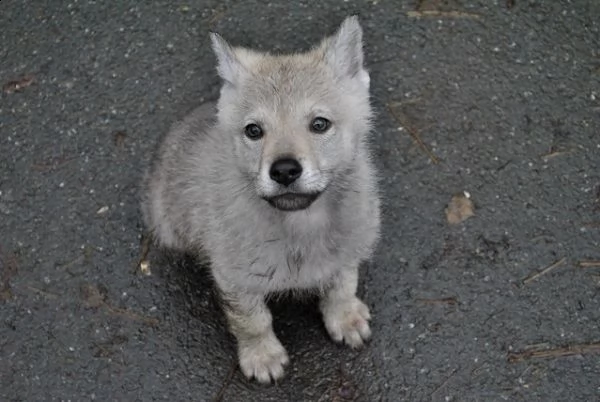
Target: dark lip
292, 201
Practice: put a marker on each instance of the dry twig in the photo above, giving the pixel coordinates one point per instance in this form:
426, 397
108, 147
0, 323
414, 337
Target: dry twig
451, 301
533, 276
131, 315
226, 382
414, 134
69, 264
41, 292
95, 296
589, 264
443, 384
569, 350
553, 154
52, 164
442, 14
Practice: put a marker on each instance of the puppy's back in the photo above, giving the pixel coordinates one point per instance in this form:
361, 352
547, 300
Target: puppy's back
186, 146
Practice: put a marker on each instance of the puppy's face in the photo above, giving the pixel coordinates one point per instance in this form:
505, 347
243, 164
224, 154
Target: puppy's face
296, 120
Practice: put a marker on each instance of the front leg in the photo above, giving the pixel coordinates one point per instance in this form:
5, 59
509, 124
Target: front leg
260, 353
345, 315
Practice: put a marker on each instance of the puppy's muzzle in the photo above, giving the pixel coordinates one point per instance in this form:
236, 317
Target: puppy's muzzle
285, 171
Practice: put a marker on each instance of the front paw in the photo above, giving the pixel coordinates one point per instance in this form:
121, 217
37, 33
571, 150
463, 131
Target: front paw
347, 320
262, 358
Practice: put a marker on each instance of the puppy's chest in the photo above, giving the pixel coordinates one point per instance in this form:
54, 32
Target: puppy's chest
280, 266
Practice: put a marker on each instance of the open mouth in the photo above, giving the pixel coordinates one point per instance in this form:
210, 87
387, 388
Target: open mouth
292, 201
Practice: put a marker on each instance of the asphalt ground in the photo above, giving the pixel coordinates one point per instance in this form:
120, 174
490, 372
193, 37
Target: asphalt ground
500, 99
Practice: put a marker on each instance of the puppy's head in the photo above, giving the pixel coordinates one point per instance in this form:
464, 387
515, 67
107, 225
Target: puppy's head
295, 119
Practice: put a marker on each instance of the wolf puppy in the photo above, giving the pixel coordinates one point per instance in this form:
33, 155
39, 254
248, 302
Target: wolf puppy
275, 184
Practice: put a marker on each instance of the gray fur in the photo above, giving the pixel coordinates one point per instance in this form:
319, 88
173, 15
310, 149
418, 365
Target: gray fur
206, 190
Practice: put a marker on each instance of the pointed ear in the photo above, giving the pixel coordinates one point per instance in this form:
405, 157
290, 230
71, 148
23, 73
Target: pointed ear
344, 51
228, 65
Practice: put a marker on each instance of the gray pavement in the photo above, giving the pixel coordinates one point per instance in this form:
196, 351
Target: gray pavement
506, 94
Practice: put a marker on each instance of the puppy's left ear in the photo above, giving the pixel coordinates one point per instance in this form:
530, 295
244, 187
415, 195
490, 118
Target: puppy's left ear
344, 51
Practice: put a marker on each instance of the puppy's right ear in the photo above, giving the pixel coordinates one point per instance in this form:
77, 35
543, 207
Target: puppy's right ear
228, 64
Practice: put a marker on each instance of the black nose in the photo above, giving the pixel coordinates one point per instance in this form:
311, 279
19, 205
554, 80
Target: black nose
285, 171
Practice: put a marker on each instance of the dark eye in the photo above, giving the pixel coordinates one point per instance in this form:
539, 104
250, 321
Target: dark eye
319, 125
253, 131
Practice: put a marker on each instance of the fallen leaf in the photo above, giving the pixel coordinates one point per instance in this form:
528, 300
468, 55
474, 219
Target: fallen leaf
460, 208
145, 267
18, 85
93, 296
119, 138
